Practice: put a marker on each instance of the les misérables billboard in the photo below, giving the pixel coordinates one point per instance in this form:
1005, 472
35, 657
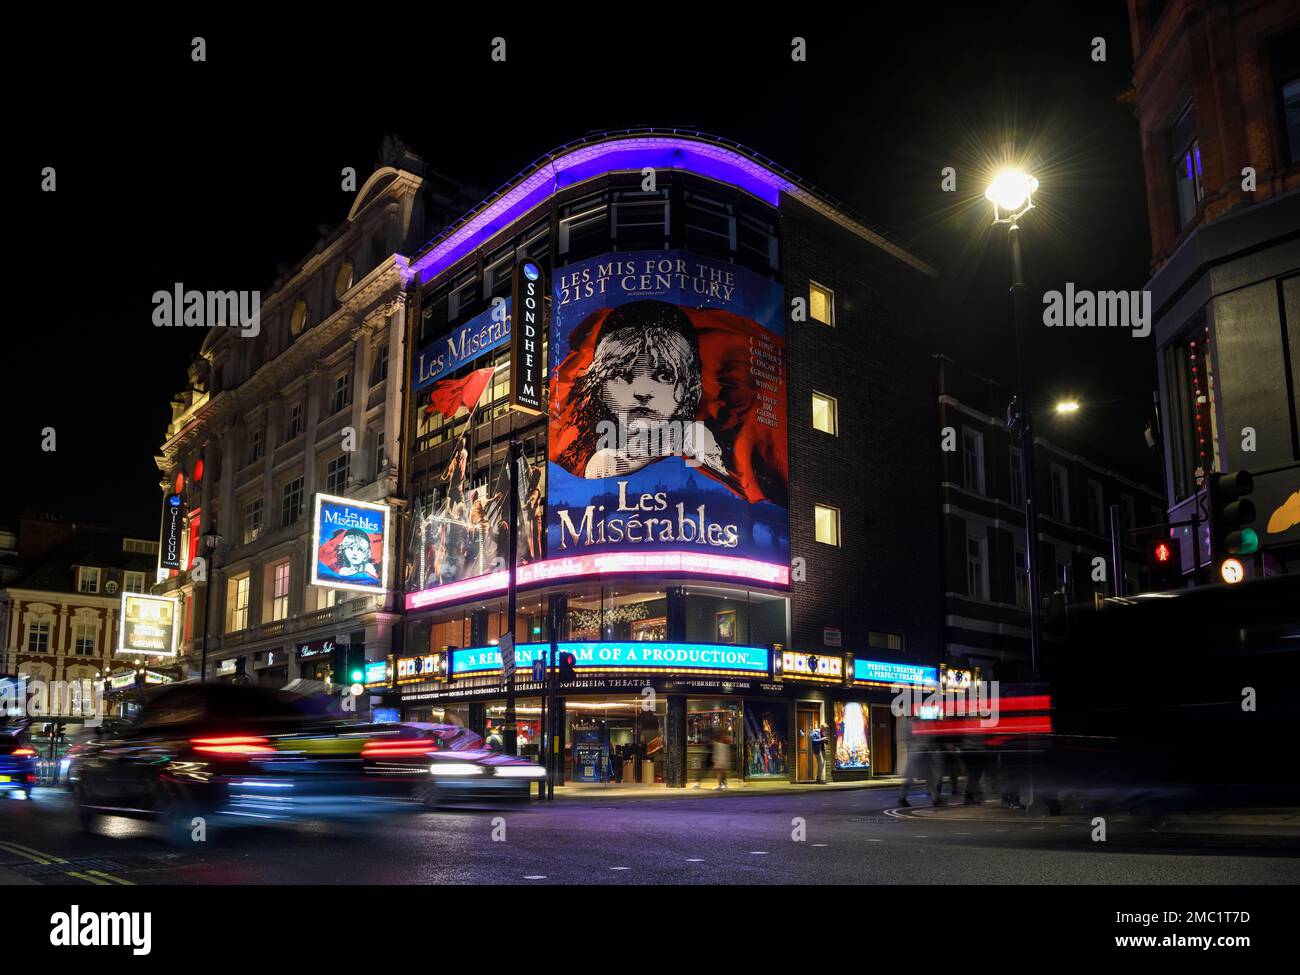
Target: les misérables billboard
668, 409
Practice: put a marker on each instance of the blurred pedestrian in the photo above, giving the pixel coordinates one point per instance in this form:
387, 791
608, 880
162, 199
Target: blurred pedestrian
921, 764
818, 740
721, 758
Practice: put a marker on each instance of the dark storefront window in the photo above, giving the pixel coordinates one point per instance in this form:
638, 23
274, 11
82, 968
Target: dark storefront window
1186, 151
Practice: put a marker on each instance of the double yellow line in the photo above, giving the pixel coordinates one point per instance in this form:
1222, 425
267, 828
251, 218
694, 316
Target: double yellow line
97, 877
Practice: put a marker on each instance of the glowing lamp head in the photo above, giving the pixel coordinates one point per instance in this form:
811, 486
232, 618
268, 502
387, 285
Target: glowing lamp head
1067, 407
1011, 190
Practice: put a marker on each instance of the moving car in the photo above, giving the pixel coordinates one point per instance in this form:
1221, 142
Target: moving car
442, 762
17, 765
231, 754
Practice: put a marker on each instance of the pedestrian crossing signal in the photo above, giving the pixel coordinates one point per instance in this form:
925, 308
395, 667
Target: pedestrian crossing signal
567, 662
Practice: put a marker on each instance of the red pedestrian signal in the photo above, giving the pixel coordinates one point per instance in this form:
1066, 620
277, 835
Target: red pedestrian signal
1165, 562
567, 662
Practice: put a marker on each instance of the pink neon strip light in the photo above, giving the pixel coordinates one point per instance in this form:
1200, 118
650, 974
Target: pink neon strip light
607, 563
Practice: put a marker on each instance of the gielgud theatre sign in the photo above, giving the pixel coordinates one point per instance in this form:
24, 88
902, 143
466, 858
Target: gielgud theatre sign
668, 408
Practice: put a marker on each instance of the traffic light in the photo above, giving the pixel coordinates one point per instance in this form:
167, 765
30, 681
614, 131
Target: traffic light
1231, 514
354, 664
1165, 561
567, 661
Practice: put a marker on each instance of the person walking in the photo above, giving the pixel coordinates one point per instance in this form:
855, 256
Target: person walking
721, 758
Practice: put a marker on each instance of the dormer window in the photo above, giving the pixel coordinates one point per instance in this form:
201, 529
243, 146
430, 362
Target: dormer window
298, 319
343, 281
87, 579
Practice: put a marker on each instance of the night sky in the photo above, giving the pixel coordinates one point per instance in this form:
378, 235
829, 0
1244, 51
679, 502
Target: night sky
212, 174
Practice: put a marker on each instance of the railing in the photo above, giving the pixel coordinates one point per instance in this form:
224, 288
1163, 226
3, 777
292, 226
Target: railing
305, 621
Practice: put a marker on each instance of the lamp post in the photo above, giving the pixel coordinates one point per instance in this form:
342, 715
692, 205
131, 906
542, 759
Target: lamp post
1011, 194
210, 542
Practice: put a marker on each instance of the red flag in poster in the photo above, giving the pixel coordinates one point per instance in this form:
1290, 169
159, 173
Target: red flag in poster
450, 395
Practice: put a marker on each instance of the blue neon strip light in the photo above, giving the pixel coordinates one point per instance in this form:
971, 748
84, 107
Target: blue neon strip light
662, 657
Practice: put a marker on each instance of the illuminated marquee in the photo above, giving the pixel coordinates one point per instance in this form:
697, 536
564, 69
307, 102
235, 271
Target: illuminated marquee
663, 658
881, 672
827, 667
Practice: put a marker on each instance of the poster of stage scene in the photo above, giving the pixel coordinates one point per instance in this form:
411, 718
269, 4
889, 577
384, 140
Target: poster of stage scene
852, 735
351, 542
668, 408
765, 741
464, 529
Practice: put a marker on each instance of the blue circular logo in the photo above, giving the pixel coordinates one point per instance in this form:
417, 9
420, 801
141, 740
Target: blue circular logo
531, 271
174, 500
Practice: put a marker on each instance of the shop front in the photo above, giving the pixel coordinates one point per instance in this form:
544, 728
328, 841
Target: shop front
671, 714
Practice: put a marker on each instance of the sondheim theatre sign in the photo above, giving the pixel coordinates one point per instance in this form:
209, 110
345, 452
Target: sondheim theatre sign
528, 298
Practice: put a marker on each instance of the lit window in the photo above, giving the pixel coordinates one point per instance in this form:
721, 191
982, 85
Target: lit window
826, 524
343, 281
133, 582
280, 591
825, 414
1189, 189
298, 319
88, 579
237, 603
821, 303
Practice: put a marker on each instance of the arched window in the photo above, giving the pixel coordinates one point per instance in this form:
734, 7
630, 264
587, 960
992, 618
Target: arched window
298, 320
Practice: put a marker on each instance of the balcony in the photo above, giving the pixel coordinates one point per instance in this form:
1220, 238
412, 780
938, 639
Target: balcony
294, 624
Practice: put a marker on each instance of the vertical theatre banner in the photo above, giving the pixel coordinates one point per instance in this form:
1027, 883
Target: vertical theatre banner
668, 409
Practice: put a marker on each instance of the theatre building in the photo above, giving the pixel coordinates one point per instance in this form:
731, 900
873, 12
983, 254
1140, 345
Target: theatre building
725, 497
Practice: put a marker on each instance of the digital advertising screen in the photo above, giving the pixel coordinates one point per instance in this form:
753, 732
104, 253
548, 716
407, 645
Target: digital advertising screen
350, 539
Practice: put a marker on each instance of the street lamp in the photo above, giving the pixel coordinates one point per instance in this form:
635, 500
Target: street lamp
210, 542
1066, 407
1011, 192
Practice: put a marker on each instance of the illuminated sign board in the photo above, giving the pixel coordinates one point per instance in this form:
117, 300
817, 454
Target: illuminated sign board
478, 336
173, 525
376, 672
316, 649
350, 539
425, 666
880, 672
529, 299
125, 679
148, 625
664, 658
812, 666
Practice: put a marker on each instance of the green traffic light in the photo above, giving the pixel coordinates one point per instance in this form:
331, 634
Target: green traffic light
357, 676
1249, 542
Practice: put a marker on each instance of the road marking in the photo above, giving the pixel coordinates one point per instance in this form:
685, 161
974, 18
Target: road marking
695, 860
821, 844
620, 868
13, 847
117, 880
875, 841
92, 880
25, 856
534, 876
758, 853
